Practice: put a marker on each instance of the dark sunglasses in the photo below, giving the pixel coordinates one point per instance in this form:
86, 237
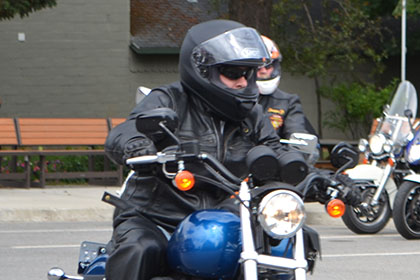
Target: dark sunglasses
267, 66
236, 72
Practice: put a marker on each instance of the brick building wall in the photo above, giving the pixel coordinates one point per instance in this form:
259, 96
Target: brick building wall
74, 62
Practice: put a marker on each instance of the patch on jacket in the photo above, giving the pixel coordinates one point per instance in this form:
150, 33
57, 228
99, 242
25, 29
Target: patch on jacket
276, 120
276, 111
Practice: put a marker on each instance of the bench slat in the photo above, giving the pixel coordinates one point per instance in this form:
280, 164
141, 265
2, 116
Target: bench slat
64, 142
6, 121
8, 138
8, 132
62, 121
71, 135
64, 128
116, 121
53, 152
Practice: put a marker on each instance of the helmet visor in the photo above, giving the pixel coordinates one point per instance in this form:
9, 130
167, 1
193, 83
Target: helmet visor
240, 46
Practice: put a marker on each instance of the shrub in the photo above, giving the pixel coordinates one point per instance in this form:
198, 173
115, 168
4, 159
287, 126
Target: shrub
356, 105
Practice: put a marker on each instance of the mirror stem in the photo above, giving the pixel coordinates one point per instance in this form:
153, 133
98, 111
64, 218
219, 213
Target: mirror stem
162, 125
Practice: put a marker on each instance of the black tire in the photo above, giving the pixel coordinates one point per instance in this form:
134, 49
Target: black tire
367, 219
406, 213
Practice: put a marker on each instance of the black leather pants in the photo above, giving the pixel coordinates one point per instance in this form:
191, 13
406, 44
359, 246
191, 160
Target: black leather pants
139, 248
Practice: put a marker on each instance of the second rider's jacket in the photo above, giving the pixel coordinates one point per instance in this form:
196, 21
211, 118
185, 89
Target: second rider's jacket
229, 142
285, 113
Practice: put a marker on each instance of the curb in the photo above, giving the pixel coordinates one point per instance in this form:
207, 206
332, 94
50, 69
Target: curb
83, 204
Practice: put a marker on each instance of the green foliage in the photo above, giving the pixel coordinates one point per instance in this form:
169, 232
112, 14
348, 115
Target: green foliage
328, 40
10, 8
357, 104
413, 8
315, 40
378, 8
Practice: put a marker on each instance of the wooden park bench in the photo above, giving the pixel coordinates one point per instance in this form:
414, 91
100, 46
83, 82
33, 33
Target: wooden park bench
42, 137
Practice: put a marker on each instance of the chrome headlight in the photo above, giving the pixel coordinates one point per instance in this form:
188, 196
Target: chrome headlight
363, 143
376, 143
388, 146
281, 213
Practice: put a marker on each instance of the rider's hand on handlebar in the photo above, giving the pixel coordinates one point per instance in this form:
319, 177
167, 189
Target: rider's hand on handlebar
138, 147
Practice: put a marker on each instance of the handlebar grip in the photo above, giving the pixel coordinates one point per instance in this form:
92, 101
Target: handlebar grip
142, 159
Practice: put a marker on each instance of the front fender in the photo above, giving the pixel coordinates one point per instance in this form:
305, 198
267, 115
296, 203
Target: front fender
412, 178
366, 172
373, 173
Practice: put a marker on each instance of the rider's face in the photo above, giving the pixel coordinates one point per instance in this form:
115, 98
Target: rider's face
265, 72
235, 77
234, 84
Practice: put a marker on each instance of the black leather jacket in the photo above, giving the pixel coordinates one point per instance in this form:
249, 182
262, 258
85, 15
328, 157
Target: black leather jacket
155, 196
285, 113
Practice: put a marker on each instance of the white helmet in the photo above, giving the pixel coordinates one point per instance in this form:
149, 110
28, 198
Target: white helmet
268, 85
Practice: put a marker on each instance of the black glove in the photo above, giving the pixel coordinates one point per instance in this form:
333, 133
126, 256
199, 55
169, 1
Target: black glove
293, 167
138, 147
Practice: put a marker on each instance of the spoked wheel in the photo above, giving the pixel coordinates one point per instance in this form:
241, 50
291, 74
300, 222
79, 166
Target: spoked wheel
365, 218
406, 212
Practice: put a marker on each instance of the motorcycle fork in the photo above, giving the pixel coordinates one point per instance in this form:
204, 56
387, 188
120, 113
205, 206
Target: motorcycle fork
248, 255
300, 273
387, 173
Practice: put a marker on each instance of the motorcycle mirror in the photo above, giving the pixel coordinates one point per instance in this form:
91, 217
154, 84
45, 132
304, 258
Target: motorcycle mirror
158, 123
304, 143
408, 113
344, 156
310, 140
262, 163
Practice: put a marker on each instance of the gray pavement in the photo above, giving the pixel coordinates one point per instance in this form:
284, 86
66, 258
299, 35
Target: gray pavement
83, 203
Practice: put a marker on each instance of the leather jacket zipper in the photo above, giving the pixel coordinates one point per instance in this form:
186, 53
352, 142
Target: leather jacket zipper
225, 144
219, 134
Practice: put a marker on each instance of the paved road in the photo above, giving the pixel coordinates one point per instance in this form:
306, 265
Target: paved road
28, 250
383, 256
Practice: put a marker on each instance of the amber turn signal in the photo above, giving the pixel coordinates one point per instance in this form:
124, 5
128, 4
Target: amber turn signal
335, 208
184, 180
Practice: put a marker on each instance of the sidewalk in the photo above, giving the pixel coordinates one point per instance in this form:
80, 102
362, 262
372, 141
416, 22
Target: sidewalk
55, 204
68, 203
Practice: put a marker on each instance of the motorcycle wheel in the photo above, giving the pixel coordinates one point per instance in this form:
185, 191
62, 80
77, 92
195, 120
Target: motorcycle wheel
406, 213
367, 219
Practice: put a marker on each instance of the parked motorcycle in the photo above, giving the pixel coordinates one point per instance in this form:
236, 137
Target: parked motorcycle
385, 164
406, 210
269, 239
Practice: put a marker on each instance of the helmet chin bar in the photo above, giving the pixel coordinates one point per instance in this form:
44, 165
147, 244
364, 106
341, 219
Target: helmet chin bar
267, 87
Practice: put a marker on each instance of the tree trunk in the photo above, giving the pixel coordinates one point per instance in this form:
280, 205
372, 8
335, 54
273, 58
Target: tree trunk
253, 13
318, 103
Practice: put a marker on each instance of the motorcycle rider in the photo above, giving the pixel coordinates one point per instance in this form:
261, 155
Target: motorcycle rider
214, 101
284, 109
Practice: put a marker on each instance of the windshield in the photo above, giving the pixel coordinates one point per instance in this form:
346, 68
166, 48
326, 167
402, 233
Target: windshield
395, 125
404, 98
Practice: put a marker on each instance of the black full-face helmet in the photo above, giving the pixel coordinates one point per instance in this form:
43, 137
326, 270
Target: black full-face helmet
212, 46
